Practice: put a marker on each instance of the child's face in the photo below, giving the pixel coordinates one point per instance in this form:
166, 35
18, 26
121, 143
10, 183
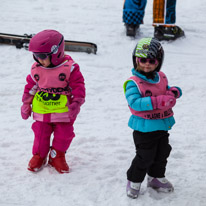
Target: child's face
148, 65
45, 62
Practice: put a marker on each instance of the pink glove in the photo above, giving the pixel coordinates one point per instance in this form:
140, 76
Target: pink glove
25, 111
174, 92
168, 92
163, 102
74, 109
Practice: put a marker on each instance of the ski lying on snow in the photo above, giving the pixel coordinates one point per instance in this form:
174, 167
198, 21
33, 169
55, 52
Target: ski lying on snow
22, 41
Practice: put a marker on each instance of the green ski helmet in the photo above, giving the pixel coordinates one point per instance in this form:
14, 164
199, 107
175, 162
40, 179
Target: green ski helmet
149, 48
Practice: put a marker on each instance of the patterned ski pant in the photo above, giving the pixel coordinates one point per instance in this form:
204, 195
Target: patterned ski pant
164, 11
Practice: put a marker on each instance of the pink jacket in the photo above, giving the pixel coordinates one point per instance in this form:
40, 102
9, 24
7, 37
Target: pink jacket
71, 81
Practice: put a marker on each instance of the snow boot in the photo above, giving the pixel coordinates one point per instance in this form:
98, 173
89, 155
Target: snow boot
160, 184
133, 189
36, 163
131, 29
168, 33
58, 161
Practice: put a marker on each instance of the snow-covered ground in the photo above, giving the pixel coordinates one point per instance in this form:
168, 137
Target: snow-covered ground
103, 148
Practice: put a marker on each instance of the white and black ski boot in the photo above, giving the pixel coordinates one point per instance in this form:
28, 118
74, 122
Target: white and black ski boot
168, 33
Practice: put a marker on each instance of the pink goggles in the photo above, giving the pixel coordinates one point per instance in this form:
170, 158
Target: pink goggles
145, 60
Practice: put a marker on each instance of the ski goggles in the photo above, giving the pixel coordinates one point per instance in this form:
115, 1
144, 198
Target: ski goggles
145, 60
41, 56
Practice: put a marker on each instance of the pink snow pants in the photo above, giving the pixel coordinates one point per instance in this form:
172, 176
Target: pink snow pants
63, 135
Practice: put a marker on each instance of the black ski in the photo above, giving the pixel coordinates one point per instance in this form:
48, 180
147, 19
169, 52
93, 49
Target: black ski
22, 41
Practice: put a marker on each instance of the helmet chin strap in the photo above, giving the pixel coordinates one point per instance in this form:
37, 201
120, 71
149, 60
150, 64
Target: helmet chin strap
149, 75
50, 66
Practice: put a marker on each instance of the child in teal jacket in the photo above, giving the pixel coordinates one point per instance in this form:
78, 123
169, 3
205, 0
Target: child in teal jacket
150, 101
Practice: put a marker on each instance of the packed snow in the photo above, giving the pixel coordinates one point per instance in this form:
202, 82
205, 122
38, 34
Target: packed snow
103, 148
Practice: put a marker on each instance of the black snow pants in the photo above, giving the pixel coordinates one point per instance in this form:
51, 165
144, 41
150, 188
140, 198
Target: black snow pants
152, 151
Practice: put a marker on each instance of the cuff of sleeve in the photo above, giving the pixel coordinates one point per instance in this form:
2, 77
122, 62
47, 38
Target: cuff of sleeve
178, 90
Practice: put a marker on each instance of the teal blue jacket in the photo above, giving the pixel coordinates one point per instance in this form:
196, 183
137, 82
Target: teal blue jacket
136, 102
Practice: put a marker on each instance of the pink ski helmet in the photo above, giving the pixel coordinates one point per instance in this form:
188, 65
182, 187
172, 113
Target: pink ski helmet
50, 42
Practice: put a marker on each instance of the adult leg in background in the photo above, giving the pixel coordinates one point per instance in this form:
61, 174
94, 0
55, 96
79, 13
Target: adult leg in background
133, 14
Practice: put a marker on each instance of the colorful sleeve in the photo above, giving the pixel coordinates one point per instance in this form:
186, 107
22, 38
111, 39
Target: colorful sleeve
135, 99
29, 90
77, 85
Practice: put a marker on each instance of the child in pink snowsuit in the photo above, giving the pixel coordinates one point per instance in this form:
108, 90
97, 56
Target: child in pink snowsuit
55, 89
